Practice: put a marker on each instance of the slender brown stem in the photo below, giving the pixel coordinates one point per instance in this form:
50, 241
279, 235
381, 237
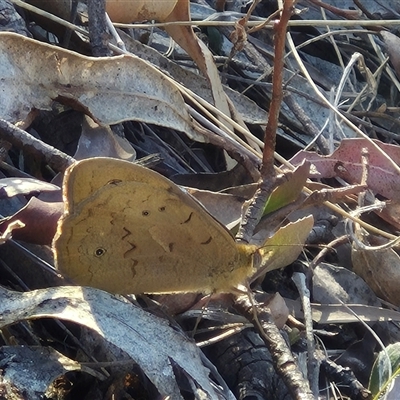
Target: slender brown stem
284, 362
277, 93
268, 179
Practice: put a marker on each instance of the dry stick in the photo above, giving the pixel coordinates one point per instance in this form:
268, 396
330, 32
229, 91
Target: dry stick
268, 179
284, 361
307, 123
25, 141
312, 362
346, 377
97, 27
73, 17
307, 23
327, 248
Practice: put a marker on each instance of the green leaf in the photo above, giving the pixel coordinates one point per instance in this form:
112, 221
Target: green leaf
385, 372
290, 190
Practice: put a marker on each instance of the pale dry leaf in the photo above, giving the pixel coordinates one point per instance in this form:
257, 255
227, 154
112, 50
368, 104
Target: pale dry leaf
10, 187
32, 369
149, 340
285, 245
380, 269
249, 111
139, 10
392, 43
100, 141
224, 207
109, 89
340, 314
332, 283
123, 11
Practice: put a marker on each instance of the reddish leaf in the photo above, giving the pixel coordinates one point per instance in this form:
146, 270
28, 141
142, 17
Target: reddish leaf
40, 219
345, 163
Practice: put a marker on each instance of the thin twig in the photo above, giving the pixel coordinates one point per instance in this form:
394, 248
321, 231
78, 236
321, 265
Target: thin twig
284, 361
267, 182
307, 123
327, 248
312, 363
25, 141
307, 23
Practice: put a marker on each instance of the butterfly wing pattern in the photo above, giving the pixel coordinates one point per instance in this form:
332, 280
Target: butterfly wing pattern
127, 229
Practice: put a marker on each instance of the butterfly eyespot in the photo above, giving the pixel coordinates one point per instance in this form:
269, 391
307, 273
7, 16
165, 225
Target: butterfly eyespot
145, 213
161, 209
99, 252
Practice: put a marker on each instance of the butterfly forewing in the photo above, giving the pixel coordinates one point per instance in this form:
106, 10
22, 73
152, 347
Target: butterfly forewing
146, 236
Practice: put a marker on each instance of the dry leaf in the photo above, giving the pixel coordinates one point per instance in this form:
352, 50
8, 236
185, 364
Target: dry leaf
345, 162
391, 213
224, 207
147, 339
380, 269
139, 10
44, 365
34, 74
100, 141
10, 187
392, 43
123, 11
285, 245
277, 307
171, 11
60, 8
340, 314
40, 221
332, 283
